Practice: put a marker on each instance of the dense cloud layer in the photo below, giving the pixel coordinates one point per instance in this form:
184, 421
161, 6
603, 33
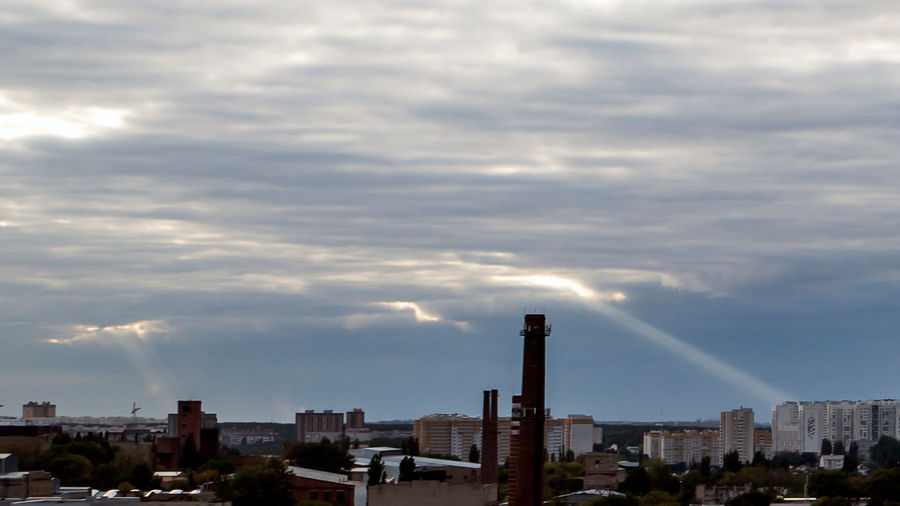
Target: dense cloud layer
349, 204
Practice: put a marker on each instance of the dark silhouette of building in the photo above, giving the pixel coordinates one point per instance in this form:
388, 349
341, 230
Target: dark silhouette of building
312, 426
189, 423
527, 424
356, 419
489, 438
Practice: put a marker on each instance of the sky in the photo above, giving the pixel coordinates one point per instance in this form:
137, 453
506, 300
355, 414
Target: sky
279, 206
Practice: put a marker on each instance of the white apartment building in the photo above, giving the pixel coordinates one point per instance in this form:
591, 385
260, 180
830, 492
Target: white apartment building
801, 426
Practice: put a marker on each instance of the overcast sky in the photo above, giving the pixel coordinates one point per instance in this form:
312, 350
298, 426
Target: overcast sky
276, 206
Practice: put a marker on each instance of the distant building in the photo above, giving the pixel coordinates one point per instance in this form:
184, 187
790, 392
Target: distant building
432, 493
35, 410
802, 426
454, 434
762, 442
189, 423
23, 484
312, 426
719, 494
736, 432
448, 434
356, 419
601, 470
688, 446
575, 432
337, 489
831, 462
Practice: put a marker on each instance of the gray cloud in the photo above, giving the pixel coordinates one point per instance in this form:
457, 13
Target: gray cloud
266, 181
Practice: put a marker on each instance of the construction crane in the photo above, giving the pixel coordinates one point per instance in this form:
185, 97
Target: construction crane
134, 410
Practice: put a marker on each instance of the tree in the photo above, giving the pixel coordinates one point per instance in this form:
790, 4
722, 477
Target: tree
570, 455
837, 448
268, 483
705, 467
759, 460
376, 470
407, 469
410, 446
324, 456
886, 451
851, 459
884, 486
637, 482
190, 457
731, 462
473, 454
831, 484
826, 447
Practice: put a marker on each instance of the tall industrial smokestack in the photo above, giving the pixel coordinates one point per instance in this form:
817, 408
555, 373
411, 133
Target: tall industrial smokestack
489, 438
527, 422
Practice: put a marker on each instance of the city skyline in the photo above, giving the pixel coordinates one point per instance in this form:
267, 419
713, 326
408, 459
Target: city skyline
327, 206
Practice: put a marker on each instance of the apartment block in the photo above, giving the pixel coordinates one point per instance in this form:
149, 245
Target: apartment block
38, 410
312, 427
688, 446
736, 432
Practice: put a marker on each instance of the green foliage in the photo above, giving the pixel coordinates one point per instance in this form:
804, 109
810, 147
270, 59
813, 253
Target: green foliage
886, 451
570, 455
831, 484
190, 457
827, 448
410, 447
705, 467
324, 455
884, 486
407, 469
636, 483
71, 469
376, 470
268, 484
837, 448
759, 460
752, 498
141, 476
689, 484
563, 477
473, 454
731, 462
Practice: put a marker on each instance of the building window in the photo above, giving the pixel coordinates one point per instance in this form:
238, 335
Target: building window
326, 495
340, 496
314, 495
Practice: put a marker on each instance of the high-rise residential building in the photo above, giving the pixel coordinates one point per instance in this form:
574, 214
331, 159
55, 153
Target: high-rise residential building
688, 446
312, 427
762, 443
448, 434
575, 432
38, 410
798, 427
736, 433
